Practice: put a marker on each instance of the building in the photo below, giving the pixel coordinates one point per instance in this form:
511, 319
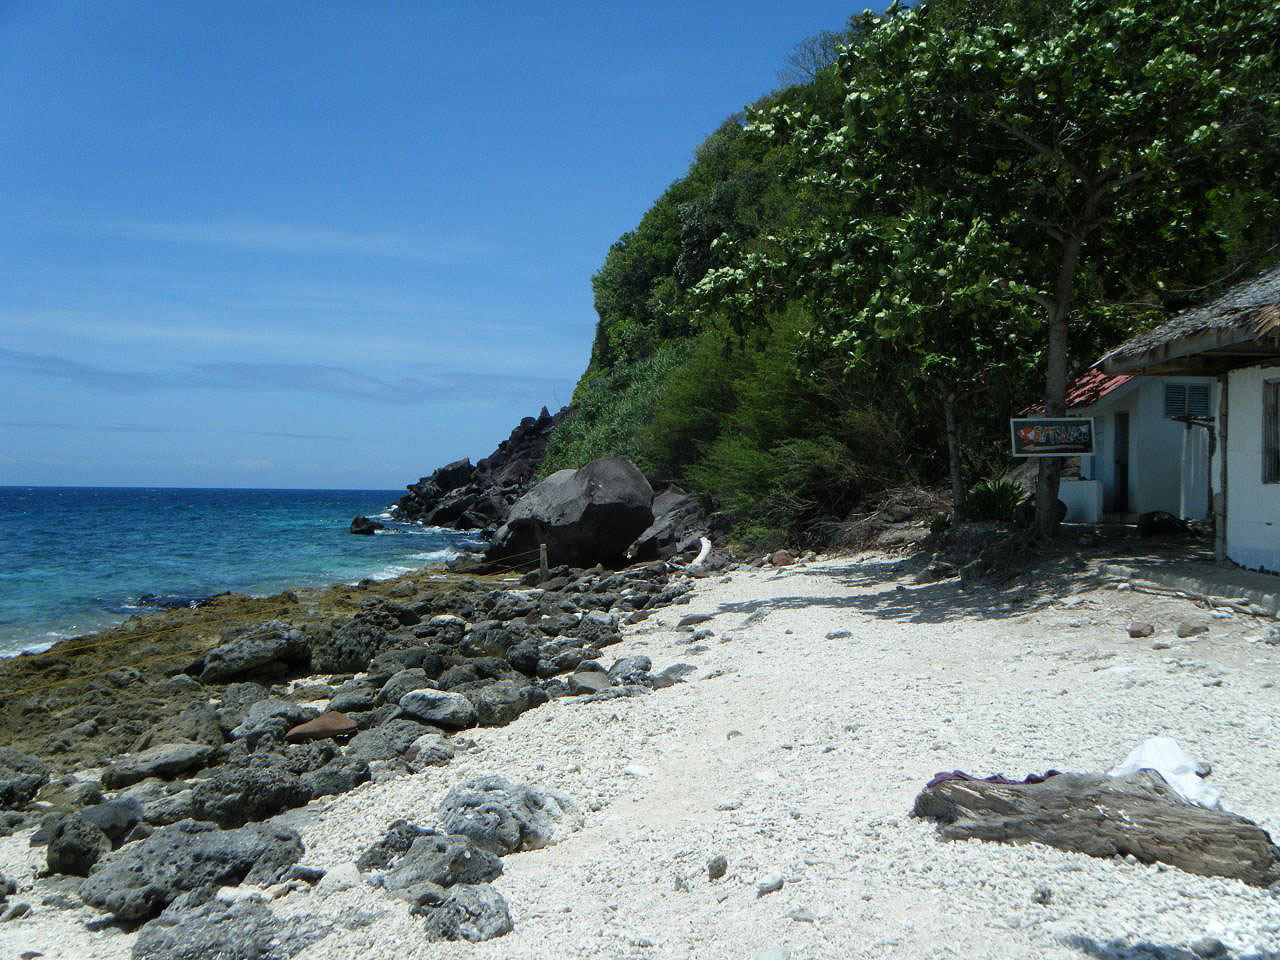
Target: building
1151, 451
1236, 340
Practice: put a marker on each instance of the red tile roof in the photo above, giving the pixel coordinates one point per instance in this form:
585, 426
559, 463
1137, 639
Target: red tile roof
1085, 390
1092, 385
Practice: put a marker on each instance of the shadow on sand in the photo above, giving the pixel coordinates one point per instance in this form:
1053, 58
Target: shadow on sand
1144, 950
937, 602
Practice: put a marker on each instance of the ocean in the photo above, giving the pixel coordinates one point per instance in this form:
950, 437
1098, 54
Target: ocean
78, 559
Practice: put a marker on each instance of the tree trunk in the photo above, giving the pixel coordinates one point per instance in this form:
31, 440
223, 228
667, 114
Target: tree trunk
953, 450
1105, 817
1050, 468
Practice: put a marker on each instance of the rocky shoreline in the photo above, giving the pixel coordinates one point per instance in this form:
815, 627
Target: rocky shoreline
760, 808
156, 761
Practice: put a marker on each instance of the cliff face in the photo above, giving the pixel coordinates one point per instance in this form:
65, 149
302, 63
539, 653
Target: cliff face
477, 497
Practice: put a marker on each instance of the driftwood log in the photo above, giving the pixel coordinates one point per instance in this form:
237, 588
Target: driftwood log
1105, 817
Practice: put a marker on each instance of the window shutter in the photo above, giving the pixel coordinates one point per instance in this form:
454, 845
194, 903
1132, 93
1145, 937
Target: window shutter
1271, 431
1198, 400
1175, 399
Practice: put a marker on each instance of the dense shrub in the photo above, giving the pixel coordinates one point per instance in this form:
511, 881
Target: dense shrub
993, 500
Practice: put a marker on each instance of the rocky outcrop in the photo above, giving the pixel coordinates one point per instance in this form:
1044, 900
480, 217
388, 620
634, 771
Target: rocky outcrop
140, 879
167, 760
678, 523
584, 516
504, 817
21, 776
477, 497
364, 527
200, 925
445, 879
272, 646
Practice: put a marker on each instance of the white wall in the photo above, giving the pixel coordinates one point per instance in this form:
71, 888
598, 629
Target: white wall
1155, 446
1253, 507
1157, 453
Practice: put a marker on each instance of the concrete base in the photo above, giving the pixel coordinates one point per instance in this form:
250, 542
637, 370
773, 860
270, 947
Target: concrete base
1258, 593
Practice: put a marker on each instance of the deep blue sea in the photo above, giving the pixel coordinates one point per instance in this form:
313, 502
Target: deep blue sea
77, 559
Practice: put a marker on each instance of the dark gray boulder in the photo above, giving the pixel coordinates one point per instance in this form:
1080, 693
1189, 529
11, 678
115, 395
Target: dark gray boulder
272, 716
270, 647
350, 648
395, 843
524, 657
471, 912
630, 669
388, 741
598, 629
405, 681
440, 708
336, 776
504, 817
114, 817
589, 681
363, 526
676, 516
199, 926
354, 696
429, 750
21, 777
75, 846
499, 703
253, 789
140, 879
166, 760
441, 860
584, 516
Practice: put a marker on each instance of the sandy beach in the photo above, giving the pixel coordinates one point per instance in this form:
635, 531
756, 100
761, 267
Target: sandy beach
825, 697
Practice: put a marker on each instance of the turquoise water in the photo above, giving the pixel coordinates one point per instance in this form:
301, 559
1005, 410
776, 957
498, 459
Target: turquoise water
77, 559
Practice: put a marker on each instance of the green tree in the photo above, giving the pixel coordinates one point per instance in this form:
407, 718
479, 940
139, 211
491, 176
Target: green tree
1101, 146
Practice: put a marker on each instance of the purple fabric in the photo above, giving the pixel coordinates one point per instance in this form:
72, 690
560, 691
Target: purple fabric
961, 775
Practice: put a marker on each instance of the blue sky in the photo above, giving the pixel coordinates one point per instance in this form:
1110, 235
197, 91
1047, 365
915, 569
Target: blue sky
329, 244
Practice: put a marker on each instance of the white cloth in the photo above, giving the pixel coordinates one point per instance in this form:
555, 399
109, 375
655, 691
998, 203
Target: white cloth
1195, 474
699, 563
1165, 757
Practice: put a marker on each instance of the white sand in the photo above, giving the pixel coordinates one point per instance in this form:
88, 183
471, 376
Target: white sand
836, 738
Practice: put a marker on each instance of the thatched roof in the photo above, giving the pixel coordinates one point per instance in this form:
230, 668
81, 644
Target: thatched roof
1239, 328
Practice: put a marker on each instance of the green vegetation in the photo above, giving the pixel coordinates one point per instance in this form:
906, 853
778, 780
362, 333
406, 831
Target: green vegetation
993, 500
858, 281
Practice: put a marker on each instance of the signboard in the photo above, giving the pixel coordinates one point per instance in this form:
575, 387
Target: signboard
1052, 436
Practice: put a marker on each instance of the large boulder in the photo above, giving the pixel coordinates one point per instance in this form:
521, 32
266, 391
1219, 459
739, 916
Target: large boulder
271, 647
166, 760
500, 703
676, 517
584, 516
465, 911
141, 878
443, 860
258, 787
388, 741
75, 846
363, 526
439, 708
21, 776
350, 648
202, 926
504, 817
272, 716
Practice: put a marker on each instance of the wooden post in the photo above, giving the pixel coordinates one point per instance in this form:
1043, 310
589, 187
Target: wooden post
1220, 511
543, 568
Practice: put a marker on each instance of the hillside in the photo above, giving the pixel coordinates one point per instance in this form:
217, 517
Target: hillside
845, 295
